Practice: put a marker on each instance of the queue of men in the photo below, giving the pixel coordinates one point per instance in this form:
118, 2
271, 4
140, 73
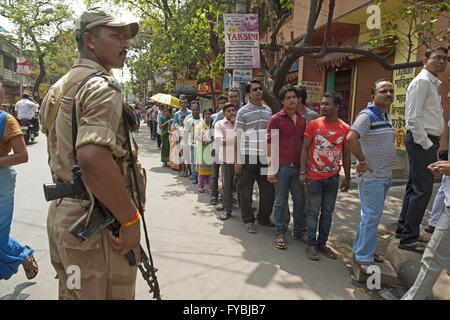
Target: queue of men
297, 152
289, 153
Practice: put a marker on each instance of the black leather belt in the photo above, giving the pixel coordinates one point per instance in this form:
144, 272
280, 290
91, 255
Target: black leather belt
294, 165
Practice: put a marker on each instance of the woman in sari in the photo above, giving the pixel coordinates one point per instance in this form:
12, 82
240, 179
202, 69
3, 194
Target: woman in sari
203, 139
12, 253
163, 123
174, 157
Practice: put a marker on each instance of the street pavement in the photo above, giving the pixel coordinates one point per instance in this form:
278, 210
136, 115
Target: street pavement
198, 256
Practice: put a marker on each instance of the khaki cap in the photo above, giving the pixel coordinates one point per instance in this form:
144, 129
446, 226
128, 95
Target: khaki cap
97, 16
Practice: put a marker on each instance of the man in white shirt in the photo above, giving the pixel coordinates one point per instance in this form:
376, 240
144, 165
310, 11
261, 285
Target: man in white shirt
26, 108
425, 124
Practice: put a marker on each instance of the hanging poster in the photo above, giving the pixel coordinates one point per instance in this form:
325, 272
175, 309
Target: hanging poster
242, 75
314, 91
23, 66
241, 41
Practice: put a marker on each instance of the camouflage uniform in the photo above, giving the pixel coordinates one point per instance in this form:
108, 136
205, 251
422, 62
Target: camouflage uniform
104, 273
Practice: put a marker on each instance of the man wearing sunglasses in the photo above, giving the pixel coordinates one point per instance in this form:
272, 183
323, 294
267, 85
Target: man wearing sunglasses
251, 162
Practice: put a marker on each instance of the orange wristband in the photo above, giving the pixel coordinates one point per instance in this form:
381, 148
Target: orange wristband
131, 221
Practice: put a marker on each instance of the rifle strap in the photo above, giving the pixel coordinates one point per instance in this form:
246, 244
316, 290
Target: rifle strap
74, 115
138, 195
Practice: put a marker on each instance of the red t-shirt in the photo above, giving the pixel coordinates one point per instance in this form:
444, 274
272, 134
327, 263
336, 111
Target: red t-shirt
325, 153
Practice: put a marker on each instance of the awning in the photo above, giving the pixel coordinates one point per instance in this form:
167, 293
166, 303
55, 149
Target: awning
331, 60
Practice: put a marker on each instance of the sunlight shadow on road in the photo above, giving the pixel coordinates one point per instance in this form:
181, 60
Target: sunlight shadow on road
262, 275
17, 295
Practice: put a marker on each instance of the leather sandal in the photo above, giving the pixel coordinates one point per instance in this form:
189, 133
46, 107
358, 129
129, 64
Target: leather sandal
417, 247
30, 267
311, 253
378, 258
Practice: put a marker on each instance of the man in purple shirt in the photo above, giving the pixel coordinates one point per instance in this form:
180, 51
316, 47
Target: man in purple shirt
284, 144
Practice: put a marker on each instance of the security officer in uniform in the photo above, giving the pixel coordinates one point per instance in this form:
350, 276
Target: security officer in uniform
104, 160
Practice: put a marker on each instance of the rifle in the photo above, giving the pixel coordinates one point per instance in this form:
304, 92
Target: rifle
85, 227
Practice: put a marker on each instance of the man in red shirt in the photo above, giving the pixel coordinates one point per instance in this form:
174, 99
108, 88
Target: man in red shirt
325, 143
285, 131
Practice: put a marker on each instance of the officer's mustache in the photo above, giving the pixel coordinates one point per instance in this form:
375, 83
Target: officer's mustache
123, 52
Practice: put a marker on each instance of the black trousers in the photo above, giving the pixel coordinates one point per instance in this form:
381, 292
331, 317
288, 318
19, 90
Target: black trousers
246, 180
227, 185
215, 179
418, 189
158, 140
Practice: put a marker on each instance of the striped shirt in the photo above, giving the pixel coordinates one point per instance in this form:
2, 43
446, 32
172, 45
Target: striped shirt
377, 142
252, 121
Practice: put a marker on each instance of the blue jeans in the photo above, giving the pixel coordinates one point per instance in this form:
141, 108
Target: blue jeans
372, 195
192, 164
438, 205
288, 180
322, 195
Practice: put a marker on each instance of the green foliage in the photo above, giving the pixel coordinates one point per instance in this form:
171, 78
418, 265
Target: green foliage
187, 36
421, 16
42, 24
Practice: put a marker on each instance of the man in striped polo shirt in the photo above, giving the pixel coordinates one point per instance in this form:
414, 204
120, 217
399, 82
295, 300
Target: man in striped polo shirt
371, 140
251, 123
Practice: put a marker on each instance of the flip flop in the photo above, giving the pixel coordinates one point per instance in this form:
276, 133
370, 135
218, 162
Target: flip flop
327, 252
281, 243
225, 216
311, 253
414, 248
362, 266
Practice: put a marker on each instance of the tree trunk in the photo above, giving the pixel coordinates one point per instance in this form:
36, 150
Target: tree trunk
40, 78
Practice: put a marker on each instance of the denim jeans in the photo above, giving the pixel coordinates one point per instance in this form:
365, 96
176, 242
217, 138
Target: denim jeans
288, 180
322, 195
438, 205
192, 164
372, 195
435, 257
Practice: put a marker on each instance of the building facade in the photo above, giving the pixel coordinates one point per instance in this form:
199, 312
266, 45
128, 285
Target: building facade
352, 74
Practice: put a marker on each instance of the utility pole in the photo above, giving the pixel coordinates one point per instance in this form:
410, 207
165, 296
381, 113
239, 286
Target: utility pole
241, 7
21, 76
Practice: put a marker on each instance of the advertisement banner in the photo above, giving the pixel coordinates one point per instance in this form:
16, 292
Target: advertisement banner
23, 66
314, 90
241, 41
186, 86
163, 76
242, 75
401, 79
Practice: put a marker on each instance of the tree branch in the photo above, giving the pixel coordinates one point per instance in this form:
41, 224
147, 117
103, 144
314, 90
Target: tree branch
273, 36
327, 31
314, 11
